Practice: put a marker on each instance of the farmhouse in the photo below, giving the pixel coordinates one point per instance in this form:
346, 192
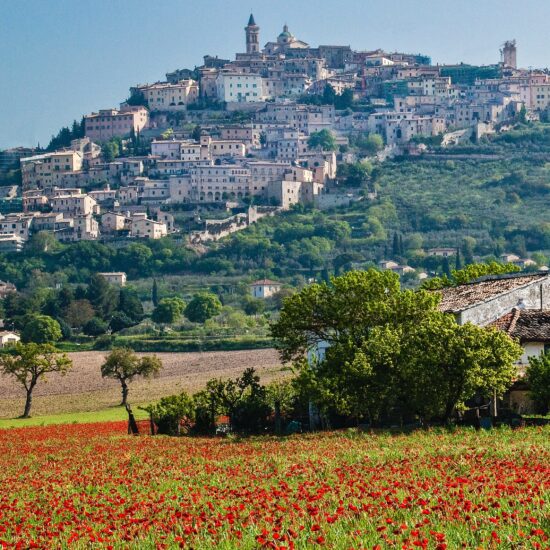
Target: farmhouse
8, 338
115, 277
265, 288
489, 298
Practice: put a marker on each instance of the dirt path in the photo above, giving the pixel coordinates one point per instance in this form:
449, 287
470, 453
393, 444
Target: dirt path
83, 389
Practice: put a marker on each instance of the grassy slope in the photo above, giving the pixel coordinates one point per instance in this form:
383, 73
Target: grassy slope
103, 415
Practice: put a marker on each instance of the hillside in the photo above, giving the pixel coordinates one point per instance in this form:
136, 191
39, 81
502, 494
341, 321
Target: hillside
485, 206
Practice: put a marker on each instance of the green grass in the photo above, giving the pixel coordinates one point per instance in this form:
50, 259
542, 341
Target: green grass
104, 415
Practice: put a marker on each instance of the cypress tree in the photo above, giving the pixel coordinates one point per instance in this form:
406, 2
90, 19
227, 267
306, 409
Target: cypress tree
446, 267
395, 247
458, 260
155, 293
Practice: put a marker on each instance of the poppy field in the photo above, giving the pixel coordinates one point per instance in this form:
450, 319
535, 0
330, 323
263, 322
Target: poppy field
93, 486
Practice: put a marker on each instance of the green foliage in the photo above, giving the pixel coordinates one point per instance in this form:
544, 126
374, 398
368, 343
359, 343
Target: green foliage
66, 135
537, 376
124, 365
202, 307
354, 174
368, 144
41, 329
168, 311
29, 363
172, 413
243, 400
95, 327
111, 149
323, 139
388, 349
469, 273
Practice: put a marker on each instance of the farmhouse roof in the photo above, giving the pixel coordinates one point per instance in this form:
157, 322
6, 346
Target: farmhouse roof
527, 325
265, 282
459, 298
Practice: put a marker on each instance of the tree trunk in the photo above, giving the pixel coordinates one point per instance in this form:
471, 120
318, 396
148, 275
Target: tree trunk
28, 403
125, 391
278, 427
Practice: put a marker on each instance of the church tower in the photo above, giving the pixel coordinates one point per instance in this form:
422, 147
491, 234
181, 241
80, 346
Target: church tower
252, 36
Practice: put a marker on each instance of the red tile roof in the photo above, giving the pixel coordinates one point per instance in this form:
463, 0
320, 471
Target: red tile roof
459, 298
527, 325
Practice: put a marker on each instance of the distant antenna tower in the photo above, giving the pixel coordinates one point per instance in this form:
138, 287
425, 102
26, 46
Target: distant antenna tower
508, 54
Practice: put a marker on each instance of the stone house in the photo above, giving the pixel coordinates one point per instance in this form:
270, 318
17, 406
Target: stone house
265, 288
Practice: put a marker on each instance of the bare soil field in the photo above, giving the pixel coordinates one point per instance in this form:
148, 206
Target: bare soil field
83, 389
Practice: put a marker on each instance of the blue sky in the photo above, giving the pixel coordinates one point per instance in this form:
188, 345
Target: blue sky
63, 58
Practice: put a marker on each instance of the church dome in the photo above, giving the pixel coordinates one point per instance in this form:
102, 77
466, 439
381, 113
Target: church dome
285, 36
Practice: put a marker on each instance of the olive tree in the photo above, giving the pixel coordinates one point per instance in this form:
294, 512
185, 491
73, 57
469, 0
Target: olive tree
29, 363
124, 365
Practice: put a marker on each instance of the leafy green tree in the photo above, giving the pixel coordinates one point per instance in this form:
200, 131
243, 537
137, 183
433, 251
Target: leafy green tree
111, 150
102, 295
173, 412
443, 364
388, 349
95, 327
253, 306
346, 310
469, 273
537, 376
41, 329
243, 400
120, 321
323, 139
130, 304
31, 362
202, 307
355, 174
42, 242
124, 365
78, 313
168, 311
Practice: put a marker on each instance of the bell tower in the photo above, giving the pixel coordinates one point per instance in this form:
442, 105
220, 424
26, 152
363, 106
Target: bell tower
252, 36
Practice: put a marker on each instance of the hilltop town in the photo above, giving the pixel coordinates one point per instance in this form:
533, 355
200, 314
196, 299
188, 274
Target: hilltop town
279, 125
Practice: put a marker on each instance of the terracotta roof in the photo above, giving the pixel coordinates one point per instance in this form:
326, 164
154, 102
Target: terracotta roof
265, 282
459, 298
527, 325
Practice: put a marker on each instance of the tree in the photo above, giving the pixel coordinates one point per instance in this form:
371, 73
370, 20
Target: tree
388, 350
111, 150
538, 378
323, 139
458, 260
469, 273
155, 293
41, 242
124, 365
130, 304
346, 310
329, 95
29, 363
171, 412
168, 311
41, 329
120, 321
196, 133
444, 364
95, 327
202, 307
253, 306
79, 312
102, 295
